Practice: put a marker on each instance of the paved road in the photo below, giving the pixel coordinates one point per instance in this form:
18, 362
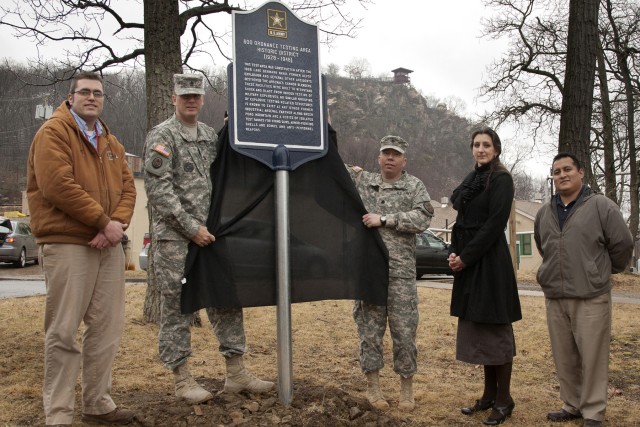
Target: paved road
11, 287
21, 288
440, 282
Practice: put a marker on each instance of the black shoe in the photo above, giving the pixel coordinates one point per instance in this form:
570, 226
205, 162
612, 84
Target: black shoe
562, 416
481, 405
499, 414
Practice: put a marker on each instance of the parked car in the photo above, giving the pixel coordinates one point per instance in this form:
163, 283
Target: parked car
17, 243
143, 258
431, 255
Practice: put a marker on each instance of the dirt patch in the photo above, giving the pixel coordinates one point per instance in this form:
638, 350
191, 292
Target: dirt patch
313, 405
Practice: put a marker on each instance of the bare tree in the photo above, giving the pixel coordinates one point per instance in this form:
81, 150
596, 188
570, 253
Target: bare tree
529, 84
514, 156
525, 84
606, 135
172, 34
456, 104
332, 70
627, 53
358, 68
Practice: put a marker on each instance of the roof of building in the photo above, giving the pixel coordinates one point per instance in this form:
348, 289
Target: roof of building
528, 208
445, 216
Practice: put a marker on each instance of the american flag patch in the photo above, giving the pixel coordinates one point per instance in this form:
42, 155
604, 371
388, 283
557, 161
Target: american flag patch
162, 150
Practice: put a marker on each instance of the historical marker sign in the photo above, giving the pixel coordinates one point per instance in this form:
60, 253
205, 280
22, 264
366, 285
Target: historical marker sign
276, 87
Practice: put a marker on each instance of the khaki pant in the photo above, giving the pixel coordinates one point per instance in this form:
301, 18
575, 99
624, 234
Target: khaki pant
83, 285
580, 333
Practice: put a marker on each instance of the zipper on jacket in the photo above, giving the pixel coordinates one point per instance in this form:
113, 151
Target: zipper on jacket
579, 202
107, 203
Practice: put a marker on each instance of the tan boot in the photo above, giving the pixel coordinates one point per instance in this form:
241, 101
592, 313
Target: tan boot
374, 394
239, 379
407, 403
187, 388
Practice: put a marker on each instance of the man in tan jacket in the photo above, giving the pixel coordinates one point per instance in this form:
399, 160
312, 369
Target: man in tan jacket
81, 197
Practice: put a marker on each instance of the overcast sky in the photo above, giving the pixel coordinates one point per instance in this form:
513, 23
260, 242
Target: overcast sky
439, 40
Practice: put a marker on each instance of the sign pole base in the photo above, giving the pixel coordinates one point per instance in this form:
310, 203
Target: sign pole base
285, 365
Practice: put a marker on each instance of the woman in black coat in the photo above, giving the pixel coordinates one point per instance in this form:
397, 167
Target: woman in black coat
485, 294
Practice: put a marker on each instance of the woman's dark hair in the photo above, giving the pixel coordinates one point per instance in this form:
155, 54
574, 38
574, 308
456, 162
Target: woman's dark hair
495, 166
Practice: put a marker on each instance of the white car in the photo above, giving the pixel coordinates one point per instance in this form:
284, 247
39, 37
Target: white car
143, 258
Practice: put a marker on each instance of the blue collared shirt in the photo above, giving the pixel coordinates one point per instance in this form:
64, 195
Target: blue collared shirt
83, 127
564, 210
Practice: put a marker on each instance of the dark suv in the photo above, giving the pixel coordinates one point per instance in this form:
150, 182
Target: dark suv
431, 255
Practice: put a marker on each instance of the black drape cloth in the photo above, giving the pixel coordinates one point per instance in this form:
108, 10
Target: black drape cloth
332, 254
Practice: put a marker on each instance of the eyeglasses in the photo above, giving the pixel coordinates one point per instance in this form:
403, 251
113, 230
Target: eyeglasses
87, 92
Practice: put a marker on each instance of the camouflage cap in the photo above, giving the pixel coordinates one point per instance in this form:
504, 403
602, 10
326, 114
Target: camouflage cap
393, 142
188, 84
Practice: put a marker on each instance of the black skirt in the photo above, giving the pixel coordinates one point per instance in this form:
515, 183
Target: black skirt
485, 343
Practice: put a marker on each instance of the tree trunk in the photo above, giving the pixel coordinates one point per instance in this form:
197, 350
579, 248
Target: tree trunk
162, 31
577, 96
634, 186
607, 129
622, 55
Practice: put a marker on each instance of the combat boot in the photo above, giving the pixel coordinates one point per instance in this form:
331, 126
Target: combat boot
239, 379
374, 394
187, 388
407, 403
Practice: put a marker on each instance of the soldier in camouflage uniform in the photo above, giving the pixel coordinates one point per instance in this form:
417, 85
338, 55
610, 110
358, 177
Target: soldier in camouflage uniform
178, 154
399, 206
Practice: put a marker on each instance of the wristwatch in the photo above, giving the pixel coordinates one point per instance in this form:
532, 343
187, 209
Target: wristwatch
383, 220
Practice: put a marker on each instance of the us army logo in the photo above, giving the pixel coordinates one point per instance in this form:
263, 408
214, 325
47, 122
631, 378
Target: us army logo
277, 23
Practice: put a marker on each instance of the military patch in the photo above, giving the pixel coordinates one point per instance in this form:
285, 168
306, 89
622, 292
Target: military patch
157, 162
429, 208
161, 149
188, 167
356, 168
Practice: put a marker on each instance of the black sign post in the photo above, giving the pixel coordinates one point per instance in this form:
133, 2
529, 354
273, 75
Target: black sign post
277, 116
